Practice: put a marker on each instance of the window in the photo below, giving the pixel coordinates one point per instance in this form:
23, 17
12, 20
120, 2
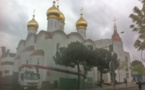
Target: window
27, 61
37, 61
61, 28
6, 71
51, 24
7, 63
55, 24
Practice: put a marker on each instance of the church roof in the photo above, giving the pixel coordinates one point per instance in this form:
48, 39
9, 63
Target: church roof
29, 48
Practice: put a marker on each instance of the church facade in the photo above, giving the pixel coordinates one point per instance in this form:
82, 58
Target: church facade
39, 49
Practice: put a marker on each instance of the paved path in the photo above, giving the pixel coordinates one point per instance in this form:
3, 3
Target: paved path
118, 87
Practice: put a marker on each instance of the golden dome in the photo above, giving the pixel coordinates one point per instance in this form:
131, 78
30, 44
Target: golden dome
81, 23
61, 18
32, 24
53, 11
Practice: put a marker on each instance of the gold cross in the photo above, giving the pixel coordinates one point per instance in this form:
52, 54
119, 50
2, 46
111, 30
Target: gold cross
34, 12
114, 20
81, 10
58, 3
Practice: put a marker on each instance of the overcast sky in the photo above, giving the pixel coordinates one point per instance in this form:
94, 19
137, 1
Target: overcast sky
14, 15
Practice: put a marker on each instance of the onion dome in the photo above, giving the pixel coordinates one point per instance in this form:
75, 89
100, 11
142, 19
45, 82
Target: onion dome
32, 24
53, 11
81, 23
62, 18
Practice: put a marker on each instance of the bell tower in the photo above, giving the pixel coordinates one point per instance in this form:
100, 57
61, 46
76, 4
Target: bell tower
115, 36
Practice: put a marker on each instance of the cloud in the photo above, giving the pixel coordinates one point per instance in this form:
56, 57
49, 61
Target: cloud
13, 24
98, 13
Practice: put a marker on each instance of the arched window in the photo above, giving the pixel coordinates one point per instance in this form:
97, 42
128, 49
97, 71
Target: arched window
61, 28
51, 24
55, 24
37, 61
27, 61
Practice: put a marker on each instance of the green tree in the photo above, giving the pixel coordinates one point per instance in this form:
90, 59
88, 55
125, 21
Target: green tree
136, 62
138, 68
75, 54
138, 19
102, 60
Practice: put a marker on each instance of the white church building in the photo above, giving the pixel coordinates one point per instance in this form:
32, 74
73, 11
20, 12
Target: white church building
39, 48
124, 71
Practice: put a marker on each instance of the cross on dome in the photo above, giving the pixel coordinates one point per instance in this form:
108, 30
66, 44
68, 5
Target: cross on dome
81, 10
34, 13
57, 2
115, 22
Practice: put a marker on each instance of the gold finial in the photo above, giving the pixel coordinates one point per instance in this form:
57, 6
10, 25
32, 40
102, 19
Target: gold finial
57, 3
115, 22
81, 12
53, 2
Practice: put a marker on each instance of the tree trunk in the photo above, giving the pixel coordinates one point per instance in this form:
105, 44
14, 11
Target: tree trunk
101, 78
119, 74
78, 87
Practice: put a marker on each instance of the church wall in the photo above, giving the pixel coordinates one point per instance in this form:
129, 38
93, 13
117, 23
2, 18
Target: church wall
21, 46
50, 50
7, 67
61, 26
25, 57
82, 32
129, 65
103, 43
49, 46
59, 40
43, 44
30, 41
74, 38
32, 31
90, 43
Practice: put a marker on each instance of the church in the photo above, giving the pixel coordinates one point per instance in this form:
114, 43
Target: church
39, 48
124, 71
